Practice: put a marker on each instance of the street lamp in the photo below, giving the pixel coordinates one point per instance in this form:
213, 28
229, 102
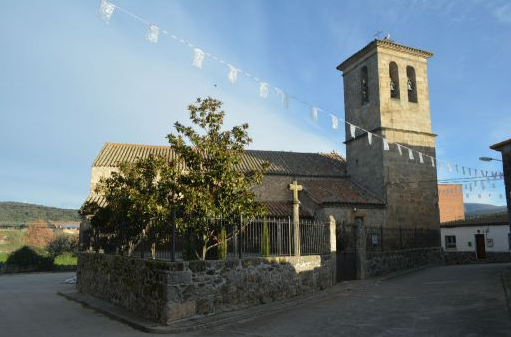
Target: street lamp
488, 159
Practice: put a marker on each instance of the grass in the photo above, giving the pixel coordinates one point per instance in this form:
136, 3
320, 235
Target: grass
3, 257
10, 240
65, 260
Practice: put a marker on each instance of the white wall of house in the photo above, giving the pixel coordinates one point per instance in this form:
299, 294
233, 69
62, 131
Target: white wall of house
496, 238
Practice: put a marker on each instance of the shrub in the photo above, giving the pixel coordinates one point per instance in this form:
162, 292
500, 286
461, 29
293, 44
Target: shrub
27, 257
61, 244
38, 235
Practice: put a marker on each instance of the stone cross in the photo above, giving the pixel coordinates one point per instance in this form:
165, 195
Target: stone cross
296, 216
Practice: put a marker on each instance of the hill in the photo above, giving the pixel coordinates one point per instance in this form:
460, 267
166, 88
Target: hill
473, 209
18, 213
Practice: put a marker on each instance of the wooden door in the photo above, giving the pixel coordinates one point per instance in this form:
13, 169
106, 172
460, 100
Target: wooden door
480, 246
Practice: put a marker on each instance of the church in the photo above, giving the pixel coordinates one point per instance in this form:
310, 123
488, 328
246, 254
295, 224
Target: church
385, 93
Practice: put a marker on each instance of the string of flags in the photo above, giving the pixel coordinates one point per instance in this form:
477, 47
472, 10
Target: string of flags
107, 9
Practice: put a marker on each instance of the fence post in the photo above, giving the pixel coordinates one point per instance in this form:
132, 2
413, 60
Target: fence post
239, 236
381, 237
400, 238
333, 248
415, 240
173, 222
142, 249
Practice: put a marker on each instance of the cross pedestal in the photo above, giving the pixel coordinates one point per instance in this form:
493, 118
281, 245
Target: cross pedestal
296, 216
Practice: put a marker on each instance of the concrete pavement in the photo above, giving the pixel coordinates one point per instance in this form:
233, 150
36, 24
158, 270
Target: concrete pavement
443, 301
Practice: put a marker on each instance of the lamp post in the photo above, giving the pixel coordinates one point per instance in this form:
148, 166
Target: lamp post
488, 159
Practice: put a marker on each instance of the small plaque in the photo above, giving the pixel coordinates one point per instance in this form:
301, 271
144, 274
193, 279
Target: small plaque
489, 242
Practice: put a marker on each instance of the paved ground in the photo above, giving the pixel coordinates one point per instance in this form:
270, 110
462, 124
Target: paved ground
443, 301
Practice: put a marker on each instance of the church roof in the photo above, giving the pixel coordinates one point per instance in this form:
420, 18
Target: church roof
338, 191
281, 162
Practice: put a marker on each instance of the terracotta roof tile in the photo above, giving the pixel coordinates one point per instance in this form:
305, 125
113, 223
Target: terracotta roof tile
338, 191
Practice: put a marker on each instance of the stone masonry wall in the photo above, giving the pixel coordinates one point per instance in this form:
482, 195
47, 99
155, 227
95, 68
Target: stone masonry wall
165, 291
470, 257
381, 263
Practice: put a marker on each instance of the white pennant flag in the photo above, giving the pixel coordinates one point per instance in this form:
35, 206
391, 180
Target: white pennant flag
469, 171
263, 89
233, 74
457, 171
314, 113
463, 168
385, 145
399, 149
410, 154
284, 97
335, 121
106, 9
353, 130
152, 34
420, 158
369, 137
432, 162
449, 167
198, 58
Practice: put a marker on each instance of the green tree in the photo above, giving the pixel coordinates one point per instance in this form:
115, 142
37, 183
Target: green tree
213, 185
137, 204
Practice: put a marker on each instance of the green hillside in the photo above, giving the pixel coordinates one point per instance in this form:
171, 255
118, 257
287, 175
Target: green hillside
18, 213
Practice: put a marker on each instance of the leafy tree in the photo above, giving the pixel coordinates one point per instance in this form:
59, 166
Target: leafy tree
137, 204
212, 183
204, 183
62, 243
37, 234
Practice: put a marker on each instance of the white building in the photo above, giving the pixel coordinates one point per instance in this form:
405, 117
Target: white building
479, 235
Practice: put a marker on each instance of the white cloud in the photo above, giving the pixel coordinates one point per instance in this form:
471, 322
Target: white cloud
503, 13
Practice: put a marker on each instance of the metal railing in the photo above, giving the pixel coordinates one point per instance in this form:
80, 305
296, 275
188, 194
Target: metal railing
253, 238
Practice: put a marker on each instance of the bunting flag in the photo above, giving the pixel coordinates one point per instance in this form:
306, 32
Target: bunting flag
198, 58
284, 98
152, 34
467, 195
233, 74
410, 154
263, 89
457, 171
369, 137
353, 130
399, 149
475, 172
106, 9
420, 158
314, 113
449, 167
432, 162
482, 185
469, 171
385, 145
475, 183
463, 168
335, 121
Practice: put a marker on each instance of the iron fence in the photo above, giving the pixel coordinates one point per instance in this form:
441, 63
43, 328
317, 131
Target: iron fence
379, 238
252, 238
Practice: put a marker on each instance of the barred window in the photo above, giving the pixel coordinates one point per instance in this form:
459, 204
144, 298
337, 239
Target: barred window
450, 242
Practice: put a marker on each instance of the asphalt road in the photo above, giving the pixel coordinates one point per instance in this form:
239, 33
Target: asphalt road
443, 301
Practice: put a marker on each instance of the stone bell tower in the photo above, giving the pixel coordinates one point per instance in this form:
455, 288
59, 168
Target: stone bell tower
386, 93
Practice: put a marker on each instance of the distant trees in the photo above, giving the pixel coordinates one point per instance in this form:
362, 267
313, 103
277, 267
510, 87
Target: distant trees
203, 183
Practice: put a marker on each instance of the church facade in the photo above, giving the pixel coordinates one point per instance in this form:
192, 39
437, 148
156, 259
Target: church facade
385, 93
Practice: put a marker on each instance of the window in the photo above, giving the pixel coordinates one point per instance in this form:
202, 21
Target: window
364, 85
394, 80
450, 242
411, 84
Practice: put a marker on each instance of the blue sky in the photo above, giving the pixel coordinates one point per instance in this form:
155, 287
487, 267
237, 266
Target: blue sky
70, 82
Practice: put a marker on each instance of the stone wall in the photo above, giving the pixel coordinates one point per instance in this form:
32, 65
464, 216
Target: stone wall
470, 257
165, 291
381, 263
